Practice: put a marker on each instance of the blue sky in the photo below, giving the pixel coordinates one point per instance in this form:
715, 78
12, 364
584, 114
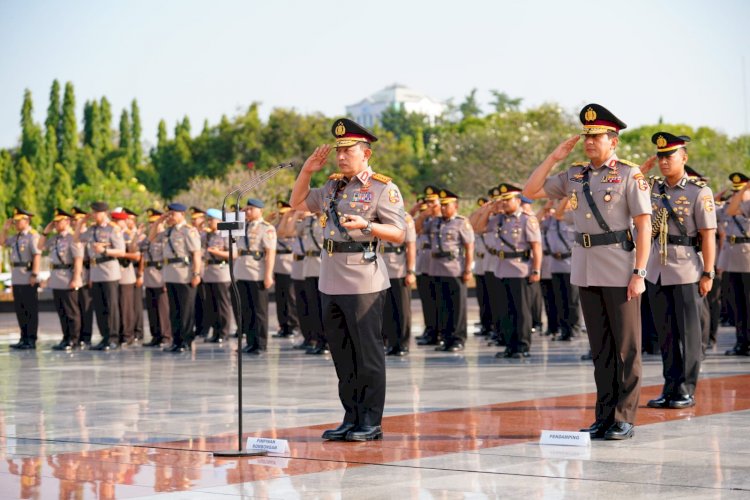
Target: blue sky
680, 60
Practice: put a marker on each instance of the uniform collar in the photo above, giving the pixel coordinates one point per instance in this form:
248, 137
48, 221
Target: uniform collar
364, 175
515, 214
180, 225
611, 162
680, 184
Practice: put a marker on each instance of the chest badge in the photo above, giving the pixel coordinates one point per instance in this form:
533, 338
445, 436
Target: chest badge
608, 197
323, 220
574, 201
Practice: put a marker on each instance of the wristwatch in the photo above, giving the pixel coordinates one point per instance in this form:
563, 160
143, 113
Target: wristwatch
641, 273
535, 271
367, 230
709, 274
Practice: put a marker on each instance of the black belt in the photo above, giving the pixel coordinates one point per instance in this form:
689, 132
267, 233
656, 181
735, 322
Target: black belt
256, 254
297, 258
87, 263
99, 260
312, 253
733, 240
125, 262
62, 266
445, 255
157, 264
283, 252
479, 255
388, 249
27, 265
178, 260
513, 255
216, 262
558, 255
426, 245
686, 241
594, 240
331, 246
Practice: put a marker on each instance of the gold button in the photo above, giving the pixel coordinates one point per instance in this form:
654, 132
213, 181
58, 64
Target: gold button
588, 216
333, 232
344, 196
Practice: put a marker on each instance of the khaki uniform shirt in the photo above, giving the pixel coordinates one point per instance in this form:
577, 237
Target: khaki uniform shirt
694, 204
152, 252
179, 242
23, 248
520, 230
110, 234
735, 257
298, 253
377, 199
629, 196
284, 255
395, 261
312, 239
62, 251
127, 271
480, 252
451, 236
424, 247
561, 239
260, 236
215, 269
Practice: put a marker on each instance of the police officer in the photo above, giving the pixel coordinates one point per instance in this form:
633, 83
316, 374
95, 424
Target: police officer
137, 230
254, 271
560, 239
202, 320
181, 245
24, 257
85, 301
425, 282
286, 308
480, 254
487, 222
400, 261
311, 233
359, 208
105, 245
292, 227
735, 260
216, 279
150, 276
127, 278
607, 196
678, 275
65, 276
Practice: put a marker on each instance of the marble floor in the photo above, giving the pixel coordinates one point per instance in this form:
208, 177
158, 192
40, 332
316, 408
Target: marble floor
139, 423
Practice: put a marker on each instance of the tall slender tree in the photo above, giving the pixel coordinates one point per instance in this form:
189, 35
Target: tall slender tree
53, 113
135, 137
32, 146
26, 196
125, 143
62, 194
8, 178
69, 138
105, 127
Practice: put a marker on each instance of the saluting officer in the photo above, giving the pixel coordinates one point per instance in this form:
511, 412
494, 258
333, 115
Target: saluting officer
286, 305
65, 276
181, 245
450, 266
400, 261
216, 279
425, 283
85, 301
150, 275
607, 196
359, 208
480, 267
678, 275
735, 260
105, 245
24, 257
254, 271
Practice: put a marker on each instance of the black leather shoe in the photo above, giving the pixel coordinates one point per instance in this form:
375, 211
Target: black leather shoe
430, 341
62, 346
620, 430
84, 346
320, 350
101, 346
302, 346
175, 348
738, 351
402, 352
215, 339
681, 401
597, 429
249, 348
660, 402
392, 351
28, 346
587, 357
525, 354
339, 433
365, 433
455, 347
152, 343
19, 345
255, 350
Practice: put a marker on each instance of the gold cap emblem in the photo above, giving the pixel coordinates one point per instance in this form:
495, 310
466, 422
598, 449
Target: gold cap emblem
443, 194
736, 179
503, 189
340, 129
661, 142
429, 191
590, 115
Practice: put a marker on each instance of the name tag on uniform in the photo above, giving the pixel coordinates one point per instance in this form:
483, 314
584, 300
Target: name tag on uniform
362, 196
612, 179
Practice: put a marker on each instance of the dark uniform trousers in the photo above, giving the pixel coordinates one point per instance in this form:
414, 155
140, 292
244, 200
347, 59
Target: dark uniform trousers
739, 301
86, 308
254, 302
138, 303
513, 310
353, 324
26, 305
315, 310
676, 310
567, 303
286, 303
157, 307
182, 312
426, 290
450, 297
397, 314
649, 335
303, 310
66, 304
127, 313
551, 308
106, 300
714, 306
613, 326
536, 303
483, 300
218, 307
202, 319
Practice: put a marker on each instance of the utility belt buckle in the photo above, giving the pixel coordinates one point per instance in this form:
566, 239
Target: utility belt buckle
329, 247
501, 254
586, 240
732, 239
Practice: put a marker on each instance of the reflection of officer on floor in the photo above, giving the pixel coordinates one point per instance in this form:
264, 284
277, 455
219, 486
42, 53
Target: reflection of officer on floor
680, 268
359, 208
24, 257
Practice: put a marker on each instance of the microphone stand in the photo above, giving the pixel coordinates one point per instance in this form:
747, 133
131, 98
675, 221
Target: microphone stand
231, 226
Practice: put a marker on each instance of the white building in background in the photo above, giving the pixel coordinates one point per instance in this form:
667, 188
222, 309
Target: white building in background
367, 112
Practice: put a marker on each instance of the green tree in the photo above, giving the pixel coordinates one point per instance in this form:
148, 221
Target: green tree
105, 127
88, 171
125, 143
470, 107
92, 133
69, 138
136, 153
26, 196
8, 178
32, 145
62, 194
53, 112
503, 102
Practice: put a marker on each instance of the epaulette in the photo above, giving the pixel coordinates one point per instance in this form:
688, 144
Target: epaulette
654, 179
460, 217
382, 178
336, 177
628, 163
579, 164
33, 231
697, 182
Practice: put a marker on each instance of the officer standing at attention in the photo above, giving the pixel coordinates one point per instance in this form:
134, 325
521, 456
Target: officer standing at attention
426, 283
607, 196
127, 278
202, 322
480, 260
292, 227
311, 233
105, 245
286, 305
217, 306
181, 244
736, 260
24, 256
684, 224
400, 260
359, 208
254, 271
150, 276
137, 231
452, 258
560, 237
85, 301
65, 276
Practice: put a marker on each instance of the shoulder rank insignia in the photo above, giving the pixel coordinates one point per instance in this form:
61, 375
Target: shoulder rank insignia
382, 178
628, 163
336, 176
697, 182
580, 164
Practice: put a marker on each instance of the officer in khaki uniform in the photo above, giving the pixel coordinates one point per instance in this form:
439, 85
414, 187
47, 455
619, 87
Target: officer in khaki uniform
66, 263
608, 196
560, 238
480, 267
680, 267
85, 301
291, 229
151, 277
359, 208
181, 245
286, 305
426, 283
217, 306
105, 245
24, 257
735, 260
253, 269
127, 278
450, 266
311, 234
399, 261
